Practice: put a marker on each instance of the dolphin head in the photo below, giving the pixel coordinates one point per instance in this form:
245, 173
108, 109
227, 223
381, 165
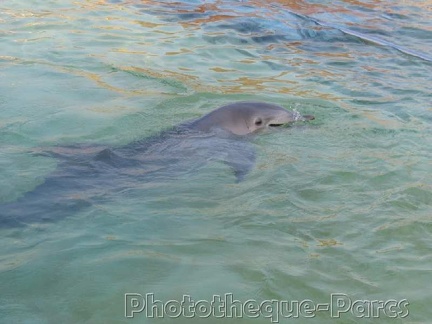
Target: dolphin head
244, 118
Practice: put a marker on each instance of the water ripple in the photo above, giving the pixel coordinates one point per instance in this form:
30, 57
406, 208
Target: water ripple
339, 205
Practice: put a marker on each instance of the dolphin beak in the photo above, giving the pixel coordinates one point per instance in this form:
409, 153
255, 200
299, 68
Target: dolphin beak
296, 116
289, 118
308, 117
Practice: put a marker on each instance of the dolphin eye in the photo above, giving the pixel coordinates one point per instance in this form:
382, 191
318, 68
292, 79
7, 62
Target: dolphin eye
258, 122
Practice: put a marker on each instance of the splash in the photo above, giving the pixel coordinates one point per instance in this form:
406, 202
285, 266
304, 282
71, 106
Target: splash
297, 116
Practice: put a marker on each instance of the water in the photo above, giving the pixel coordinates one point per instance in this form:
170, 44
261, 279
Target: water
340, 205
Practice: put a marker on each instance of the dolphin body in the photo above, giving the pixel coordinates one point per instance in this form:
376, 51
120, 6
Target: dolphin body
89, 174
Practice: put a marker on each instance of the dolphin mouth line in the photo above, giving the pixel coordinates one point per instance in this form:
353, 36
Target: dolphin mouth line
275, 125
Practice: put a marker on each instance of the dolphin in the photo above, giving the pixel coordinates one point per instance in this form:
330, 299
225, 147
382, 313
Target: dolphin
88, 174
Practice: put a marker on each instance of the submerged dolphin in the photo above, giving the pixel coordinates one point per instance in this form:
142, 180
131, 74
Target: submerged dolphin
88, 174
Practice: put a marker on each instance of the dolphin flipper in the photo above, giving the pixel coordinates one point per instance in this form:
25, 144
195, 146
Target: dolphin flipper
241, 169
241, 159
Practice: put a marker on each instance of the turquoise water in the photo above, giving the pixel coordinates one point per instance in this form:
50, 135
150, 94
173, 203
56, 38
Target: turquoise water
339, 205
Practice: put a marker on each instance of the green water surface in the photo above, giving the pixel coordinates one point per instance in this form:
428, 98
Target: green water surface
339, 205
